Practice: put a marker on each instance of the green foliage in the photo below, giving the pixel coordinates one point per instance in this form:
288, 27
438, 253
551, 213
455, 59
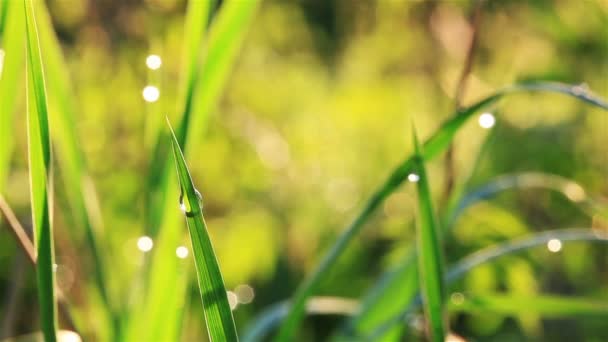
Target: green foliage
430, 255
218, 315
41, 178
301, 107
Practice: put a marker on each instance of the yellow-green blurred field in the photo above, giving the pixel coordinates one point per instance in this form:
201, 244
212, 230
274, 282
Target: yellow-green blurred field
300, 111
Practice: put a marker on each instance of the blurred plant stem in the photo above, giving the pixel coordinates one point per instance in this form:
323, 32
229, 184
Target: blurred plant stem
450, 170
28, 248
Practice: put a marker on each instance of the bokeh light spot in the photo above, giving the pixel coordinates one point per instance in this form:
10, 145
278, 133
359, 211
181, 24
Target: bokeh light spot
145, 244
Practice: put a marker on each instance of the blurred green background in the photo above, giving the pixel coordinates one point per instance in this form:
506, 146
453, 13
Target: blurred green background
316, 112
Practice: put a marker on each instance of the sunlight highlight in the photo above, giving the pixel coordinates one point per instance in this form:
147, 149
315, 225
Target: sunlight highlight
151, 93
412, 177
182, 252
554, 245
154, 62
145, 244
233, 300
487, 120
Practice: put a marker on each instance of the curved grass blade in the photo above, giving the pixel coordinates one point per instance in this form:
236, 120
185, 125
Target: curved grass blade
218, 315
431, 148
315, 306
41, 178
13, 39
388, 295
491, 253
568, 188
545, 305
430, 256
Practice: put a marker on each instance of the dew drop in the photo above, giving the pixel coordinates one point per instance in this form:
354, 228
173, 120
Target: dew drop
182, 203
412, 177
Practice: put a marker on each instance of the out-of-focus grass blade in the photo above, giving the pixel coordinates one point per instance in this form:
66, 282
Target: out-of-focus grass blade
197, 16
203, 85
315, 306
218, 314
41, 178
430, 256
570, 189
13, 39
545, 305
78, 184
160, 316
432, 148
489, 254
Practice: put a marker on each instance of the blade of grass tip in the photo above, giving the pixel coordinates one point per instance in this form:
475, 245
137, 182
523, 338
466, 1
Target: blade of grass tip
197, 16
218, 315
430, 257
492, 253
545, 305
11, 68
79, 186
432, 147
41, 178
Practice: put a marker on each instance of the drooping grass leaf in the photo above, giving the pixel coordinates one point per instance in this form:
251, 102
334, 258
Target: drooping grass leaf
218, 314
545, 305
315, 306
570, 189
432, 148
430, 255
41, 177
488, 255
13, 39
79, 186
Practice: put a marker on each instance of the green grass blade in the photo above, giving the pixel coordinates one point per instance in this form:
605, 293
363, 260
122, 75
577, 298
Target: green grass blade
218, 315
544, 305
489, 254
226, 36
273, 315
430, 256
432, 148
41, 177
78, 183
525, 180
13, 39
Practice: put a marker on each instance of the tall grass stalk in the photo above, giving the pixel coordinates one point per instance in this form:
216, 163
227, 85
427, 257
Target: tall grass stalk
41, 177
430, 255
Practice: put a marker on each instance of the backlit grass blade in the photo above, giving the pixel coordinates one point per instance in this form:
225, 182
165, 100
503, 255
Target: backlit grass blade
436, 144
315, 306
13, 40
78, 184
225, 35
41, 177
430, 255
489, 254
545, 305
526, 180
218, 314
